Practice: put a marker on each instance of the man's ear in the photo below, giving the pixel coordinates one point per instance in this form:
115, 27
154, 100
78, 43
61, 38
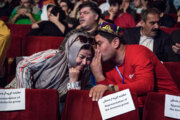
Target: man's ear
143, 23
116, 42
96, 16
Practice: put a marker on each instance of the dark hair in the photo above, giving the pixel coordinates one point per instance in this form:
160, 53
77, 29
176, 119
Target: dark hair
49, 6
114, 2
178, 9
94, 7
160, 5
145, 13
88, 47
69, 4
56, 10
109, 36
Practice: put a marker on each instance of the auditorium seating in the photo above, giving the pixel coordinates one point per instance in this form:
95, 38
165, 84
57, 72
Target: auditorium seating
169, 30
174, 70
4, 18
154, 107
33, 44
41, 104
19, 29
79, 106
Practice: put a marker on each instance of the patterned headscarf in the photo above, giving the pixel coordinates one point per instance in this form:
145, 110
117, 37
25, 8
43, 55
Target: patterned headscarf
51, 72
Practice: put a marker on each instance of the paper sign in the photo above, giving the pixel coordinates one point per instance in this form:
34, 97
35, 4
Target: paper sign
12, 99
116, 104
172, 106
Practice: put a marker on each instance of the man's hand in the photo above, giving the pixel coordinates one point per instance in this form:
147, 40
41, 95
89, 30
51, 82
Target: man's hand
176, 48
97, 92
96, 66
54, 18
73, 74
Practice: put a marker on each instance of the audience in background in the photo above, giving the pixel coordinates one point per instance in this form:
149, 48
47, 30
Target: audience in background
125, 7
89, 16
23, 14
104, 7
55, 26
176, 45
75, 11
6, 6
67, 6
150, 35
139, 5
46, 11
118, 17
37, 5
165, 20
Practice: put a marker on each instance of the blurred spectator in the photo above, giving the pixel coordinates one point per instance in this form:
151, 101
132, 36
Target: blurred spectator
175, 36
75, 11
54, 27
104, 7
89, 16
37, 5
45, 2
165, 20
118, 17
139, 5
23, 14
125, 7
67, 6
45, 11
4, 45
6, 6
176, 3
150, 35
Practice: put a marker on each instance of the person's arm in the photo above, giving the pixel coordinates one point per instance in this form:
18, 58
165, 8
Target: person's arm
75, 10
142, 79
36, 25
5, 38
13, 20
32, 19
55, 20
176, 48
29, 65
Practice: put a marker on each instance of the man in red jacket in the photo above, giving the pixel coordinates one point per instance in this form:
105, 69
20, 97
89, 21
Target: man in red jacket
136, 67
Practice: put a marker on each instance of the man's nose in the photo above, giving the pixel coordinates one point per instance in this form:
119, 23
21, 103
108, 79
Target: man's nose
156, 25
84, 61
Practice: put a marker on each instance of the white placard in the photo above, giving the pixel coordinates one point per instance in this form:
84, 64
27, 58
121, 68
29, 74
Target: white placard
172, 106
116, 104
12, 99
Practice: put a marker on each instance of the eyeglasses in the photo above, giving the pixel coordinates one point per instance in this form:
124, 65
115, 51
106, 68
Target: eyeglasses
84, 39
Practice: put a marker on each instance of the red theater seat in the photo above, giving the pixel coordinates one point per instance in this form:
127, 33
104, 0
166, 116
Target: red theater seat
79, 106
154, 107
33, 44
169, 30
15, 47
19, 29
41, 104
4, 18
174, 70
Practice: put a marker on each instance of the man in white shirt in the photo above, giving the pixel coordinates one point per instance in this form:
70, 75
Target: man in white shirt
150, 35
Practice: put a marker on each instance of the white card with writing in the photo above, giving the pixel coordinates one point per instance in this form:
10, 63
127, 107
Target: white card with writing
172, 106
116, 104
12, 99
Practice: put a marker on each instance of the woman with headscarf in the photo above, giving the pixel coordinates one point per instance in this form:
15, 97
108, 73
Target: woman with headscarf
62, 69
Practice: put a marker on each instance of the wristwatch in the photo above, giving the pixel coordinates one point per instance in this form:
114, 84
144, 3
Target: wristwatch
111, 86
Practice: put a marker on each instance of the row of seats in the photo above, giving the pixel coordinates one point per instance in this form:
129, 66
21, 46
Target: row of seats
43, 104
24, 46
